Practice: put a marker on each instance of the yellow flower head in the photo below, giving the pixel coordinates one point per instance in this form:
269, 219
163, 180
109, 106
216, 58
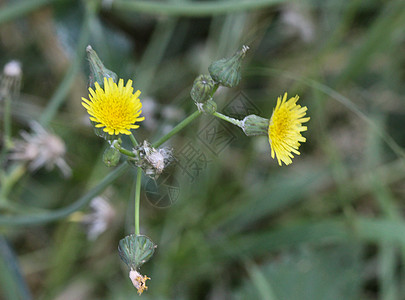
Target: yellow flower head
285, 129
115, 107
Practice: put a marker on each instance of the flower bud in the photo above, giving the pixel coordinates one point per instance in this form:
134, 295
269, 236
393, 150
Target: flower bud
226, 71
111, 157
202, 88
254, 125
97, 69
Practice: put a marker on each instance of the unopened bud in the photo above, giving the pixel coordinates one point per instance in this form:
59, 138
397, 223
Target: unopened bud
254, 125
202, 89
97, 69
111, 157
226, 71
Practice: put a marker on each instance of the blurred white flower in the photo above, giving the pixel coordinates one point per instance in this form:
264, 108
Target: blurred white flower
41, 149
97, 221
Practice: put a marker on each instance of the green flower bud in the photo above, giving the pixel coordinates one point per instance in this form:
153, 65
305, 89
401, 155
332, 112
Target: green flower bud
97, 69
202, 88
255, 125
208, 107
111, 157
226, 71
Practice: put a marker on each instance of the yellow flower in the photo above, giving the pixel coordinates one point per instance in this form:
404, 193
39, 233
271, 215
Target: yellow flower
115, 107
285, 129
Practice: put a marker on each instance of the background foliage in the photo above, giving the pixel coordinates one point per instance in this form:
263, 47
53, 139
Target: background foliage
330, 226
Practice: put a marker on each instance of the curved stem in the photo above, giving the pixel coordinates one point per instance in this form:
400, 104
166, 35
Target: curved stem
124, 151
137, 199
176, 129
192, 9
64, 212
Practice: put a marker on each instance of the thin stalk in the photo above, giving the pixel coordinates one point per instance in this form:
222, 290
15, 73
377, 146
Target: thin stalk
7, 122
228, 119
216, 86
137, 199
176, 129
6, 129
192, 9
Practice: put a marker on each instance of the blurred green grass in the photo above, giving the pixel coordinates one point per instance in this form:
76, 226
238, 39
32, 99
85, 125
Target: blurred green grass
330, 226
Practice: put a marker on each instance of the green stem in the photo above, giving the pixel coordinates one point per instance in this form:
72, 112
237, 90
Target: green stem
7, 122
216, 86
64, 212
15, 207
137, 199
192, 9
176, 129
60, 95
228, 119
133, 140
20, 8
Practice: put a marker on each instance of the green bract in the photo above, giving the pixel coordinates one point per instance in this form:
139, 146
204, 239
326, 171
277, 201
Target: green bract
135, 250
254, 125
